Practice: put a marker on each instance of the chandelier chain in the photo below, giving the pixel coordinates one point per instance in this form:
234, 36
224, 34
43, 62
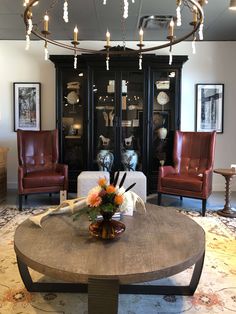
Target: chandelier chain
122, 22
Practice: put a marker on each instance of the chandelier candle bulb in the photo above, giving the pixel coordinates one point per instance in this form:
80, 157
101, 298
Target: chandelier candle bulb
141, 36
45, 22
76, 34
108, 37
171, 28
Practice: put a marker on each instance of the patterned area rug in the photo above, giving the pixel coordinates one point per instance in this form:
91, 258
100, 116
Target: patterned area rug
216, 291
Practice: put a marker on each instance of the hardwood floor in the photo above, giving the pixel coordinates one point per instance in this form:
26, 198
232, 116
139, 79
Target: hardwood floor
215, 201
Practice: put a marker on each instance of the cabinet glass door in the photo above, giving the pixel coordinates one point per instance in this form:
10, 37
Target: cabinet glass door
104, 123
163, 120
72, 111
131, 120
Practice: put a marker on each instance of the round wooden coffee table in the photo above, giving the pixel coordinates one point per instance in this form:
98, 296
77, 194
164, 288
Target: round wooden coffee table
228, 174
155, 245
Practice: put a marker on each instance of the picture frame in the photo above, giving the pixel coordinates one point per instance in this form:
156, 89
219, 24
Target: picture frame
209, 107
27, 106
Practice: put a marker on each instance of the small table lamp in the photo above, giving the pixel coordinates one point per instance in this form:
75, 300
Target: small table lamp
77, 127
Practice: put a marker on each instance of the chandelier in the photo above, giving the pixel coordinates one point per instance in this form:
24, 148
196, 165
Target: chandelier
196, 20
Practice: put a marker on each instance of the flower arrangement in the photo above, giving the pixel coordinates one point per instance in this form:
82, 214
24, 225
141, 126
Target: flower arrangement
104, 199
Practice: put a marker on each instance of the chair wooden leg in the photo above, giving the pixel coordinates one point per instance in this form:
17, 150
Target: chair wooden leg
158, 198
203, 207
20, 202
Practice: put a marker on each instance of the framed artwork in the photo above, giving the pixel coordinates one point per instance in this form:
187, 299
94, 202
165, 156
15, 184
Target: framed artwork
27, 106
209, 107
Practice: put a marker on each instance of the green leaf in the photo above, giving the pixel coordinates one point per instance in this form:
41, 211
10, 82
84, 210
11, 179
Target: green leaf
81, 212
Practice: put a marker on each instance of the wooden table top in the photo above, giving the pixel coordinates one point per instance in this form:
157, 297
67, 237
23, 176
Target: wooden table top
226, 171
155, 245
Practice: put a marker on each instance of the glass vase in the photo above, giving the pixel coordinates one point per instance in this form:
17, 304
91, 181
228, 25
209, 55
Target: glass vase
106, 228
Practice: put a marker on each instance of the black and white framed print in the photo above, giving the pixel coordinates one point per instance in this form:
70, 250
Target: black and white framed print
209, 107
27, 106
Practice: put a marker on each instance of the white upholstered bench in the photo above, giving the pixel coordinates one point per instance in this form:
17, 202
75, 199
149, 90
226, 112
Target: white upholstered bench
87, 180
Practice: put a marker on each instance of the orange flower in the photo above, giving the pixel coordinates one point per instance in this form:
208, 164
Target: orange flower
102, 181
118, 199
94, 200
110, 189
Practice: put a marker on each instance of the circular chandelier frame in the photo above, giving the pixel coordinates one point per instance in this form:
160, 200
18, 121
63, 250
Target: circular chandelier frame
172, 40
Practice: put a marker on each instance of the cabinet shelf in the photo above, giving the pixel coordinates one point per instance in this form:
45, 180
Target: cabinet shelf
73, 137
105, 108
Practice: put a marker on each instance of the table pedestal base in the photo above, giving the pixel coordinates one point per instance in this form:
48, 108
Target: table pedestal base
104, 294
229, 213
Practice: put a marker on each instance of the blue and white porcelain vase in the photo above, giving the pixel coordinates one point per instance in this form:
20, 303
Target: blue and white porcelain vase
105, 160
129, 159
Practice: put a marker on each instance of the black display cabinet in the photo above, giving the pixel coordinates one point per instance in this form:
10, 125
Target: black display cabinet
121, 119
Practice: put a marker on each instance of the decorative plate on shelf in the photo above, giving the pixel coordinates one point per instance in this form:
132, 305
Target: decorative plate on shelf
163, 98
72, 98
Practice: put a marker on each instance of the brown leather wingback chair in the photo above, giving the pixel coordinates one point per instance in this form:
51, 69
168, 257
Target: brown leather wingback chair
39, 170
191, 174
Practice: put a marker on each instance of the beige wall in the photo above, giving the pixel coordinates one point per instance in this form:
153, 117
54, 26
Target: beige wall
213, 63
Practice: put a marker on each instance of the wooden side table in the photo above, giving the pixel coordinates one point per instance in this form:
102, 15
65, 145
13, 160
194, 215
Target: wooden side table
228, 174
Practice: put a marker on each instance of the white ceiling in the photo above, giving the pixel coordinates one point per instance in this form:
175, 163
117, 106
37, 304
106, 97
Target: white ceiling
93, 19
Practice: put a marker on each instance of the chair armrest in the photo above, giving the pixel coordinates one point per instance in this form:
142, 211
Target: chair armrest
61, 168
21, 173
64, 170
164, 170
207, 182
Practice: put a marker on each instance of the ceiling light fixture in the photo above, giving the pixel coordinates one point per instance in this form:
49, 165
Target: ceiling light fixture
232, 5
196, 20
